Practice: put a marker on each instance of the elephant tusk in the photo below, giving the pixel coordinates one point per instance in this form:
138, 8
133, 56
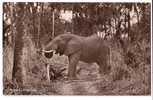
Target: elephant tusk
48, 51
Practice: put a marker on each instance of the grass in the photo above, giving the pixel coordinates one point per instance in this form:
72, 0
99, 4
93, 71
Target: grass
122, 80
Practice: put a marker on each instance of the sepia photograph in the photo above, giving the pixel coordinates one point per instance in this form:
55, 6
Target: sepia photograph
77, 49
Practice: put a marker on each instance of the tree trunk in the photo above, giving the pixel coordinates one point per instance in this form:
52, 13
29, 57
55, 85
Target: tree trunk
72, 19
129, 24
53, 23
135, 7
18, 73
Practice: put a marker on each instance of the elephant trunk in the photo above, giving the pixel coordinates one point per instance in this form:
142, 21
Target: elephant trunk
51, 46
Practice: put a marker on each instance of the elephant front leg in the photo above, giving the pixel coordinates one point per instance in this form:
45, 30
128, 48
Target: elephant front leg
73, 60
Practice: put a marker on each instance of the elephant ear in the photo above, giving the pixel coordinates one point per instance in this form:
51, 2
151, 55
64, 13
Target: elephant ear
73, 46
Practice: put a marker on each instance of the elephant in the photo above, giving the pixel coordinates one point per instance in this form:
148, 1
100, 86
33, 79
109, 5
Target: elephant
91, 49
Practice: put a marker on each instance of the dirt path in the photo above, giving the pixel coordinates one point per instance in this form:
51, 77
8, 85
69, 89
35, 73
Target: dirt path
77, 88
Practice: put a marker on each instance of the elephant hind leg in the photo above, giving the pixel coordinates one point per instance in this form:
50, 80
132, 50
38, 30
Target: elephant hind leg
104, 62
73, 60
104, 68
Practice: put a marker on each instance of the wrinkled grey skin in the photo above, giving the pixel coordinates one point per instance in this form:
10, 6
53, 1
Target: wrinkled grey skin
87, 49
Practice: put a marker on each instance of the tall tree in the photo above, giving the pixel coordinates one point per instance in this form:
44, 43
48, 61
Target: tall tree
18, 73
